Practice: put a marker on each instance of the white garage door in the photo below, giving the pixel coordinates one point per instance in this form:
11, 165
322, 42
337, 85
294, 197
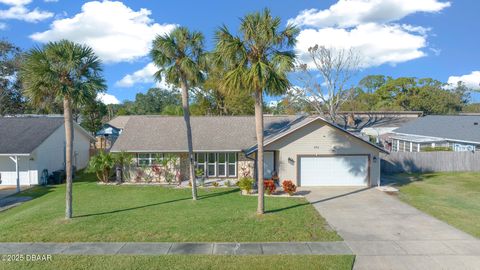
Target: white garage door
334, 171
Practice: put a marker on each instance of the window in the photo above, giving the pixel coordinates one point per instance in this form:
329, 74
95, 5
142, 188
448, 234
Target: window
217, 164
395, 146
148, 159
212, 167
222, 164
415, 147
408, 146
200, 162
232, 164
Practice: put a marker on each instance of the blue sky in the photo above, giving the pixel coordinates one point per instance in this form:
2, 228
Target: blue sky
421, 38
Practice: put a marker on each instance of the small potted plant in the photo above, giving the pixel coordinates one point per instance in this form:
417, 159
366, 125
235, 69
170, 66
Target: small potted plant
200, 177
289, 187
245, 184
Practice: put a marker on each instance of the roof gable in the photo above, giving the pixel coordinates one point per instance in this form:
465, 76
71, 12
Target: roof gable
305, 122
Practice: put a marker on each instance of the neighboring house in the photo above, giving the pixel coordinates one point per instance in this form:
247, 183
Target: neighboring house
376, 126
36, 144
307, 150
106, 136
457, 133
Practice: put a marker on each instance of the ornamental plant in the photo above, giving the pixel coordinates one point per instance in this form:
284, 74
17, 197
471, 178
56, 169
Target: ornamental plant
269, 186
289, 187
102, 165
245, 183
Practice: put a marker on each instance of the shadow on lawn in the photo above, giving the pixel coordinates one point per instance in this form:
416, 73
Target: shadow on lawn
319, 201
403, 179
200, 197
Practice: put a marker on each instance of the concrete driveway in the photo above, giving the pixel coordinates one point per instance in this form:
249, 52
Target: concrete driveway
386, 233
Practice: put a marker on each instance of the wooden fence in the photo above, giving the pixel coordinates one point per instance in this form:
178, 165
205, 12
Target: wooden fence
399, 162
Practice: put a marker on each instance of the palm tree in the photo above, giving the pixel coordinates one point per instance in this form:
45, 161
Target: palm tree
257, 61
66, 72
179, 55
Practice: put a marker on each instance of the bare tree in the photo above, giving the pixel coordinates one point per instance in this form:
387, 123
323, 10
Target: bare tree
336, 68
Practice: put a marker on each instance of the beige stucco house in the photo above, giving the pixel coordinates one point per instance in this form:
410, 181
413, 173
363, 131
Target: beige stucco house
308, 150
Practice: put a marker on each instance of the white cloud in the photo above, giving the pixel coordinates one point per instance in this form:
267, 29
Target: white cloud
116, 32
369, 27
19, 11
107, 98
471, 80
143, 76
348, 13
377, 44
16, 2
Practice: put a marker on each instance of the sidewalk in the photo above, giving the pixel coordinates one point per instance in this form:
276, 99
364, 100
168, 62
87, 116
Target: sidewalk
142, 248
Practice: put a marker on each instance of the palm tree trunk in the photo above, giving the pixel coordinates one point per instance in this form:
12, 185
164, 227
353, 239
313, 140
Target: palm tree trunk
259, 131
67, 114
186, 117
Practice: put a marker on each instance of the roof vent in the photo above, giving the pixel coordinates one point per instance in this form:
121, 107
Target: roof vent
475, 123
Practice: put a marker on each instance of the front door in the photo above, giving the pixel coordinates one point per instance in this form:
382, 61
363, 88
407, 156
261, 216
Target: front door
268, 164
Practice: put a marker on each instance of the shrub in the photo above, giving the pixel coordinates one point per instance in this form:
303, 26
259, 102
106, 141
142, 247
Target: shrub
215, 184
102, 165
289, 187
437, 149
245, 183
269, 186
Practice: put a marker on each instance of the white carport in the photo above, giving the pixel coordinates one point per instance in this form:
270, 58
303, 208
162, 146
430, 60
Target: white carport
15, 158
31, 148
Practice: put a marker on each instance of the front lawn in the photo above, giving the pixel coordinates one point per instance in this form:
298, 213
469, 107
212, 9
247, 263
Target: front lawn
188, 262
451, 197
158, 214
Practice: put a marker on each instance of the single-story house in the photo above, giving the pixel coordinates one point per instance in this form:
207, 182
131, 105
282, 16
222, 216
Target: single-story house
457, 133
308, 150
31, 145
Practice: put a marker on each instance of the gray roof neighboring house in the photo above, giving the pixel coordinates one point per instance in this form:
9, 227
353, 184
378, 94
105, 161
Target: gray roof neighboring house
22, 135
363, 120
210, 133
449, 127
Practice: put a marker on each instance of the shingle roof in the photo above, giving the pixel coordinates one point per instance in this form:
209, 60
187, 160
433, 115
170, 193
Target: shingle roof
119, 121
21, 135
219, 133
210, 133
451, 127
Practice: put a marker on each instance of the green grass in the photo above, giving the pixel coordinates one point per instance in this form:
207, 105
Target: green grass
451, 197
158, 214
187, 262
